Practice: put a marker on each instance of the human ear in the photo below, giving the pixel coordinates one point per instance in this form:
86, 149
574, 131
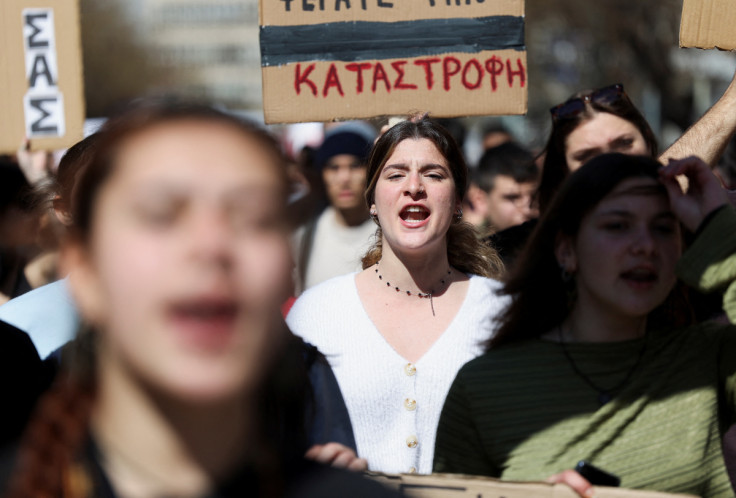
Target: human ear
565, 253
477, 199
60, 211
84, 283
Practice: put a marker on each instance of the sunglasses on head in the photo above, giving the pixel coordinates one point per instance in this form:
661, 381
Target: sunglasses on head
573, 107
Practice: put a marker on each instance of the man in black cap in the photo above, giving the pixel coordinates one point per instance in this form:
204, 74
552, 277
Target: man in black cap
334, 242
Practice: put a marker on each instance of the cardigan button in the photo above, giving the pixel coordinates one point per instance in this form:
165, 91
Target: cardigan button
412, 441
410, 369
410, 404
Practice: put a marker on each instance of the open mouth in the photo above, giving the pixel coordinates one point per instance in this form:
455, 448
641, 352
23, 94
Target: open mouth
414, 214
640, 276
205, 311
205, 323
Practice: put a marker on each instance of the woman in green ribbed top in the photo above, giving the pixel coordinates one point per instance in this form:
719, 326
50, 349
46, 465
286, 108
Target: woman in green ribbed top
597, 357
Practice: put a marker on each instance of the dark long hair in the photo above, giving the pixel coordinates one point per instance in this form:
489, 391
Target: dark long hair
51, 452
555, 168
540, 296
464, 251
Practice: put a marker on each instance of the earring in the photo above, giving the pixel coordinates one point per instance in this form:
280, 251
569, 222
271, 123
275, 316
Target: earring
459, 214
374, 215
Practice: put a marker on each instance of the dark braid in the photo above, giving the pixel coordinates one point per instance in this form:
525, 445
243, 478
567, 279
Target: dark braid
55, 435
58, 428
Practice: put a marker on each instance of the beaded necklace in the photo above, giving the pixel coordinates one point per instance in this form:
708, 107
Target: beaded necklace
420, 295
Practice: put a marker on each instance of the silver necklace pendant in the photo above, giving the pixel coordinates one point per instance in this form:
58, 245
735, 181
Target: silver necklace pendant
420, 295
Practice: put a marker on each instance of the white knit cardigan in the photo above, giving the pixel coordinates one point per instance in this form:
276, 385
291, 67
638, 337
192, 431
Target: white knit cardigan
394, 405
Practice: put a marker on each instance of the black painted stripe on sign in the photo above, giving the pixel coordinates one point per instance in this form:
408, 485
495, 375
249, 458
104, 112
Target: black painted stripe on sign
360, 40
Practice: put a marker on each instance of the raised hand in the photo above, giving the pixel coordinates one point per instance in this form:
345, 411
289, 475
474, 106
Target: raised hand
703, 195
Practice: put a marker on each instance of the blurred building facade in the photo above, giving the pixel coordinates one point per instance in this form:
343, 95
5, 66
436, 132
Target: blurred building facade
207, 50
212, 45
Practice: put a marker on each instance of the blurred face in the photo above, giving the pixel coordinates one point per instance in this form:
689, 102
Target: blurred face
344, 177
601, 134
495, 138
625, 253
415, 197
510, 202
188, 261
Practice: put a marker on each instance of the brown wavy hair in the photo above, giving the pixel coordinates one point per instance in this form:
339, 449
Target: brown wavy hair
464, 250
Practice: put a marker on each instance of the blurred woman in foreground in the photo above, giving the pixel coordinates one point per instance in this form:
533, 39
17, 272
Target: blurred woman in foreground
182, 385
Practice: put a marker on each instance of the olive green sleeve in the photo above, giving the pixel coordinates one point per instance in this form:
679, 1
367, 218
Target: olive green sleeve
458, 447
710, 262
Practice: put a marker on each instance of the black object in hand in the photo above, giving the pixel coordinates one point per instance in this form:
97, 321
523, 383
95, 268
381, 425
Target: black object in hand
596, 476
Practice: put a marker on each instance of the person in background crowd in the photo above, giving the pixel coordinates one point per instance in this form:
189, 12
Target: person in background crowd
307, 196
495, 134
39, 168
41, 320
185, 380
597, 358
20, 224
503, 186
48, 313
584, 126
604, 120
456, 128
331, 244
396, 333
588, 124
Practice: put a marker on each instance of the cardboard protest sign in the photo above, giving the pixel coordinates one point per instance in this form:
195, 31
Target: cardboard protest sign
338, 59
459, 486
708, 24
40, 74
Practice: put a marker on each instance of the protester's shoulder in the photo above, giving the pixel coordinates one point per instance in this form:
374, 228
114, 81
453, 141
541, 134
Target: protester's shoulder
311, 304
500, 360
488, 284
488, 291
319, 481
478, 364
16, 346
331, 288
28, 301
21, 303
55, 288
508, 242
706, 334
